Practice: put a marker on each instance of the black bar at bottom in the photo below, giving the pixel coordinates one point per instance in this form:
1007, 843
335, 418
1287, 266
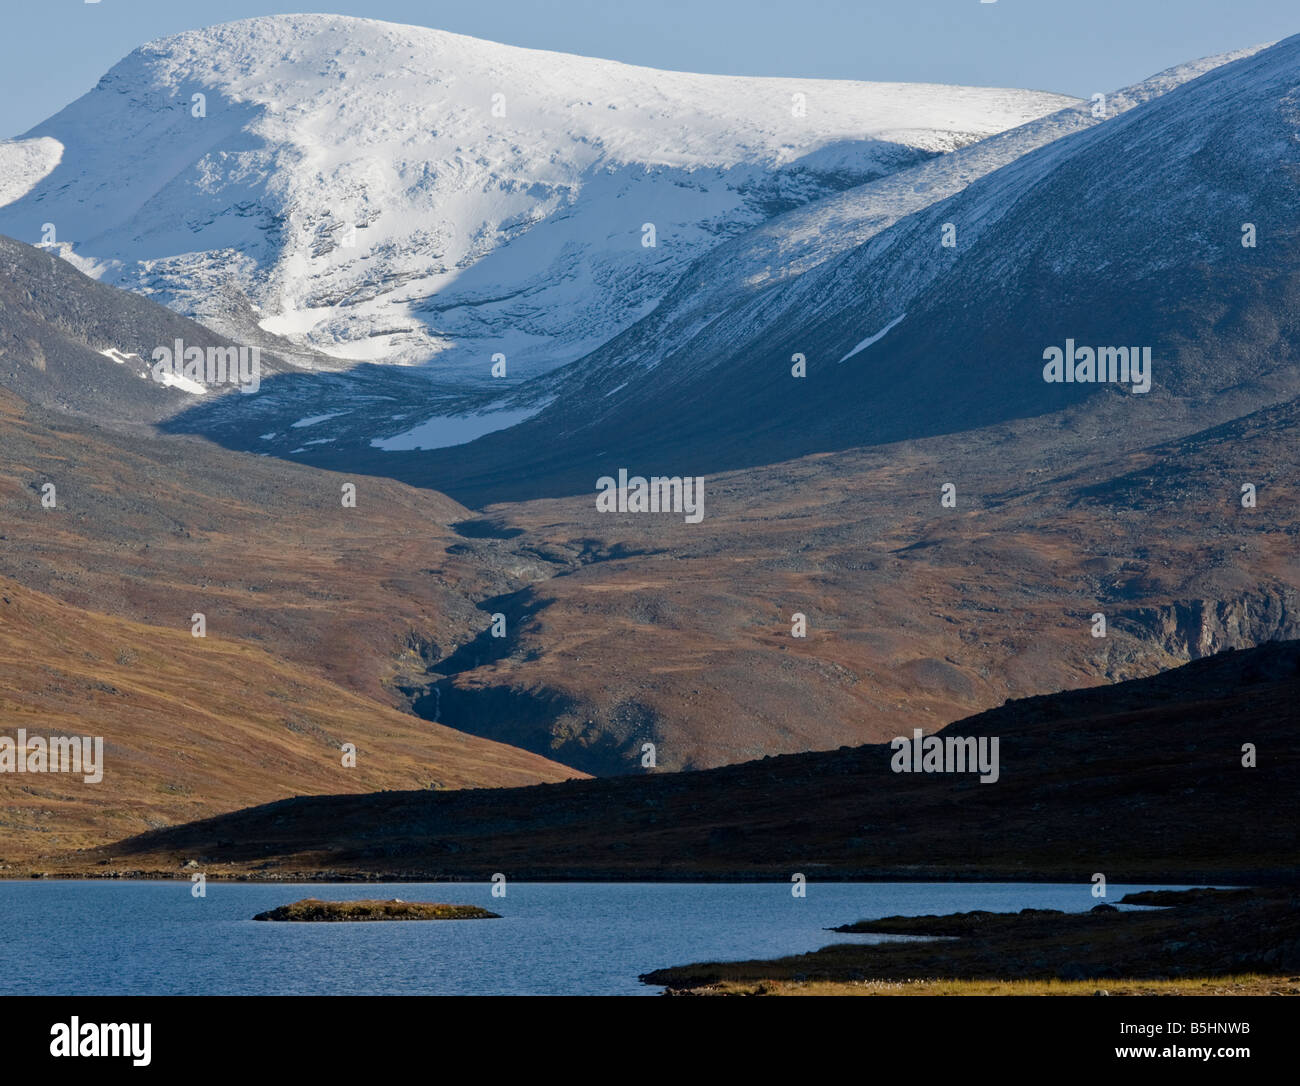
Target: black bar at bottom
299, 1034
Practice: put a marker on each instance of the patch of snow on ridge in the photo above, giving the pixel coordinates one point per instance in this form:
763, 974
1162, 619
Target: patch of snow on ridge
185, 384
312, 420
873, 339
444, 431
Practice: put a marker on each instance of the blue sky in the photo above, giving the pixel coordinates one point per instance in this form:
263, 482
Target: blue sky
52, 51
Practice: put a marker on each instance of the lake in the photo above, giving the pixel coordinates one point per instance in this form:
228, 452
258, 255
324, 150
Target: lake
153, 938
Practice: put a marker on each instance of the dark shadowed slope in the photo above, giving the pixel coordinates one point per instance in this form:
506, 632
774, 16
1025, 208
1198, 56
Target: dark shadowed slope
1142, 780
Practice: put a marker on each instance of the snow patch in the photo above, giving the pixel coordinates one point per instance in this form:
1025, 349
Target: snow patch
873, 339
314, 419
444, 431
185, 384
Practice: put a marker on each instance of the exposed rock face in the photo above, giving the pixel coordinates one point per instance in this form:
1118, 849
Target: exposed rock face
1197, 628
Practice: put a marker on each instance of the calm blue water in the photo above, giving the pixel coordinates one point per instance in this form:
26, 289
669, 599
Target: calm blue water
154, 938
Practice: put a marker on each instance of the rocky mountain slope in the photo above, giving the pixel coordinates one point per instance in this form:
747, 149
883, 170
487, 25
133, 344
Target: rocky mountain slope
87, 349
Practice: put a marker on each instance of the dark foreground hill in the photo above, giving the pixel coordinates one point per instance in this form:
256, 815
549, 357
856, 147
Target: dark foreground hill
1143, 780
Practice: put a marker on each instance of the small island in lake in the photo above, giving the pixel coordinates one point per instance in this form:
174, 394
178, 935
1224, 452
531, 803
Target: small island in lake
314, 909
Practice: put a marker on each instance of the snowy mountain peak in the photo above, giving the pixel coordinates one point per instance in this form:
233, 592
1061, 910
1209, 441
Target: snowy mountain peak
400, 194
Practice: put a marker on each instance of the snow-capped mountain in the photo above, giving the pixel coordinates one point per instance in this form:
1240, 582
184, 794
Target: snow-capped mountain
793, 243
389, 193
374, 408
1169, 226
